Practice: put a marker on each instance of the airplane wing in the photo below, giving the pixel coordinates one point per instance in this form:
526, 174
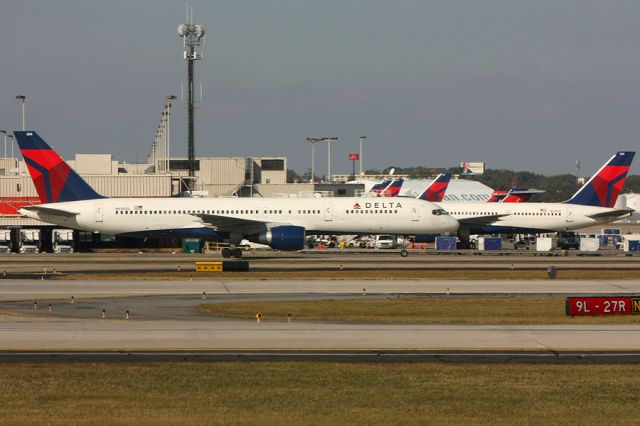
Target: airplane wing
611, 213
50, 210
481, 220
235, 224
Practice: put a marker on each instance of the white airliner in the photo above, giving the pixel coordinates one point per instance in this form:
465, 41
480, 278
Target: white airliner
281, 223
591, 205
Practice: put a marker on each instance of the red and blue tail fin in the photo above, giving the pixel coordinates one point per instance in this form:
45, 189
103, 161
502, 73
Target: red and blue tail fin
393, 189
54, 180
603, 188
497, 196
436, 189
379, 187
514, 195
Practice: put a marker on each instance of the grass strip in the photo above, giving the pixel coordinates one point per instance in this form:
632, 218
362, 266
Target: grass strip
317, 394
414, 310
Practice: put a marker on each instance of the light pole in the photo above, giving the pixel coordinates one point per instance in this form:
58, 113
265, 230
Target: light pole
11, 139
362, 138
313, 142
23, 99
4, 132
328, 141
169, 99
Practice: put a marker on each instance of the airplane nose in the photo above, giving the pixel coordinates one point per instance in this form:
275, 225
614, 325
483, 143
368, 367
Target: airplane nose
450, 224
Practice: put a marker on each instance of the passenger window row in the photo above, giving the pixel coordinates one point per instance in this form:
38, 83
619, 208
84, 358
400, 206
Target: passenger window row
371, 211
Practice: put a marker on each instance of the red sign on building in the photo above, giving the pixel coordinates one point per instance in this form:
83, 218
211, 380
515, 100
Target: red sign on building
354, 156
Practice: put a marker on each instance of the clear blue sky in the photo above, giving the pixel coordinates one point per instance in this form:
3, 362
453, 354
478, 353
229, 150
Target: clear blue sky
532, 85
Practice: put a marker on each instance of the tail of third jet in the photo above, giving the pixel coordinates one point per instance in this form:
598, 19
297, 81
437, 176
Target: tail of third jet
603, 188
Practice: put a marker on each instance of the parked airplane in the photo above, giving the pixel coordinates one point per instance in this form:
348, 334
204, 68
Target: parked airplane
436, 189
281, 223
514, 195
593, 204
379, 187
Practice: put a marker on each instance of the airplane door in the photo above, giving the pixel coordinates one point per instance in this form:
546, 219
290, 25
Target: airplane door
570, 216
99, 214
328, 212
415, 213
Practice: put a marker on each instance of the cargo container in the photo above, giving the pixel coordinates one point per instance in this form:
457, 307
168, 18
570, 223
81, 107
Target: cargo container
489, 243
191, 245
632, 245
546, 243
631, 242
446, 243
589, 244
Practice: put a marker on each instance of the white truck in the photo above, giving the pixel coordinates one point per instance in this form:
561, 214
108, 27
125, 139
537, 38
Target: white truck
386, 242
29, 241
5, 241
62, 240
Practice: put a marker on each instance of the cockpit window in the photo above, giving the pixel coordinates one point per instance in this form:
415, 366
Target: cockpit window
439, 212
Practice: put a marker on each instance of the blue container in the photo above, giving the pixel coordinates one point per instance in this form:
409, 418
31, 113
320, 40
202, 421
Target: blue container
446, 243
493, 243
604, 240
634, 245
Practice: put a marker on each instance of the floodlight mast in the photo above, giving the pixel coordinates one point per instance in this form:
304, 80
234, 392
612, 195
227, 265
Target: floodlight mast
193, 36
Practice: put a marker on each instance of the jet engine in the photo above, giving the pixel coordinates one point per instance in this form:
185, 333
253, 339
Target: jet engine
285, 237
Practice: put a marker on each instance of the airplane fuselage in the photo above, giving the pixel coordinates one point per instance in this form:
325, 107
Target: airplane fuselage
530, 217
315, 215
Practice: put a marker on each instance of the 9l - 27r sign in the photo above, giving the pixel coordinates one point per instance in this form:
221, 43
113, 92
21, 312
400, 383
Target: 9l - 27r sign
589, 306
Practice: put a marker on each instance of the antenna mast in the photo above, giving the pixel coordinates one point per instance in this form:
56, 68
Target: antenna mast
193, 36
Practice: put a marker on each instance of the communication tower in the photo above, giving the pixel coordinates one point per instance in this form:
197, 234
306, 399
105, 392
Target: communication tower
193, 36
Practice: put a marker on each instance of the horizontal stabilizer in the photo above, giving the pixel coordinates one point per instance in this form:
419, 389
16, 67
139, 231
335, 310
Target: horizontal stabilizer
612, 213
50, 210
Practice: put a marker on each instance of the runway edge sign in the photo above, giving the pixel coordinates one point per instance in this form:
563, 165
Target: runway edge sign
602, 305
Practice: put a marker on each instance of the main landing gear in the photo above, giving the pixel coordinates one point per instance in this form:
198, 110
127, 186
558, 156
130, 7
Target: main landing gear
228, 252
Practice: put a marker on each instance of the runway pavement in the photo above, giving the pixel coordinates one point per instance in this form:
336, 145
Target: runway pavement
59, 334
38, 289
158, 321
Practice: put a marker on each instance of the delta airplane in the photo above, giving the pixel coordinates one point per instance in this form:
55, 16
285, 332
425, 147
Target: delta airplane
593, 204
281, 223
436, 189
387, 188
514, 195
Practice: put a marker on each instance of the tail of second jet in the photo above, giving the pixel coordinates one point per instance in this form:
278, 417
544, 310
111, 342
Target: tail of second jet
379, 187
393, 189
436, 189
603, 188
54, 180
